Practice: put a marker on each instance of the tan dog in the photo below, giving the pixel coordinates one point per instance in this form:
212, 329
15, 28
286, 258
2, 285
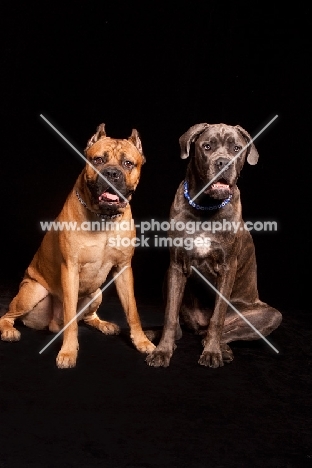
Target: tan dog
71, 265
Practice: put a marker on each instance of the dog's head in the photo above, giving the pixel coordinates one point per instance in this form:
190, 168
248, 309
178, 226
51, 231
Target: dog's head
219, 154
113, 171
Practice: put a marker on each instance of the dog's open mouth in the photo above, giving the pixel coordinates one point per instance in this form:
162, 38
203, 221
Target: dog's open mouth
111, 198
221, 184
220, 188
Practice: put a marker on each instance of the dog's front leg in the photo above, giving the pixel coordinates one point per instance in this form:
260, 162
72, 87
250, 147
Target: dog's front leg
125, 290
213, 354
176, 285
70, 283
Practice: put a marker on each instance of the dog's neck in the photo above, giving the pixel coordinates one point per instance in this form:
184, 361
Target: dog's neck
200, 207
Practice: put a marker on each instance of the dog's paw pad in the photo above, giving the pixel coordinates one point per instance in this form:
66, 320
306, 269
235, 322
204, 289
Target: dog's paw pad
10, 335
66, 360
108, 328
211, 359
158, 359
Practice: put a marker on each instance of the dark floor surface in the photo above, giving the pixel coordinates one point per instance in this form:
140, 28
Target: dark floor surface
114, 411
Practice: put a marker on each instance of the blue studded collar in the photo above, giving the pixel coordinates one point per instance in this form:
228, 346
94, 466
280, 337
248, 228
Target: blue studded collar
203, 208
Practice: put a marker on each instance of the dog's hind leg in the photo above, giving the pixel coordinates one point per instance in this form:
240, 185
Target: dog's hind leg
263, 317
32, 304
39, 318
57, 319
91, 318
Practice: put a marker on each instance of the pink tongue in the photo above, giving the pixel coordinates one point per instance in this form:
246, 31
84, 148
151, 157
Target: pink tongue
109, 196
220, 185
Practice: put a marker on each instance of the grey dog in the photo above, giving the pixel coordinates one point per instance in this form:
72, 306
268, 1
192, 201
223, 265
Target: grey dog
217, 155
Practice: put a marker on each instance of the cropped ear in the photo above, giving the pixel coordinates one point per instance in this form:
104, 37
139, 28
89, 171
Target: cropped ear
252, 153
100, 133
188, 137
135, 140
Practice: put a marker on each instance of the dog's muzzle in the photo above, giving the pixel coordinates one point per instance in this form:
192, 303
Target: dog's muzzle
107, 193
109, 190
222, 176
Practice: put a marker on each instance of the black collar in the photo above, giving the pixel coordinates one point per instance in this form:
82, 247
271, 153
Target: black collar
99, 215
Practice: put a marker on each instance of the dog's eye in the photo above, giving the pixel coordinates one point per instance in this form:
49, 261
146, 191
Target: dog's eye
128, 164
98, 160
237, 148
207, 147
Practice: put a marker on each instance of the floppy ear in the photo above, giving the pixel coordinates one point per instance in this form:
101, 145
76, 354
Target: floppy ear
252, 154
135, 139
100, 133
188, 137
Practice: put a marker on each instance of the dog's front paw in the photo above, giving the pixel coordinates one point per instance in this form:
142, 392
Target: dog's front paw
211, 359
66, 360
108, 328
159, 358
144, 345
11, 334
227, 353
141, 342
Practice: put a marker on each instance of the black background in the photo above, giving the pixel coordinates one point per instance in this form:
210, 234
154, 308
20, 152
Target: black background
159, 68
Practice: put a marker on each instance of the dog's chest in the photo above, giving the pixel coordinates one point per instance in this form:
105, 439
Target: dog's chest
96, 258
93, 254
201, 245
204, 249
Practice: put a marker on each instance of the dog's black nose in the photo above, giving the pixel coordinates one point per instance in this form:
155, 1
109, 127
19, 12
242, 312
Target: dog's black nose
112, 173
221, 162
